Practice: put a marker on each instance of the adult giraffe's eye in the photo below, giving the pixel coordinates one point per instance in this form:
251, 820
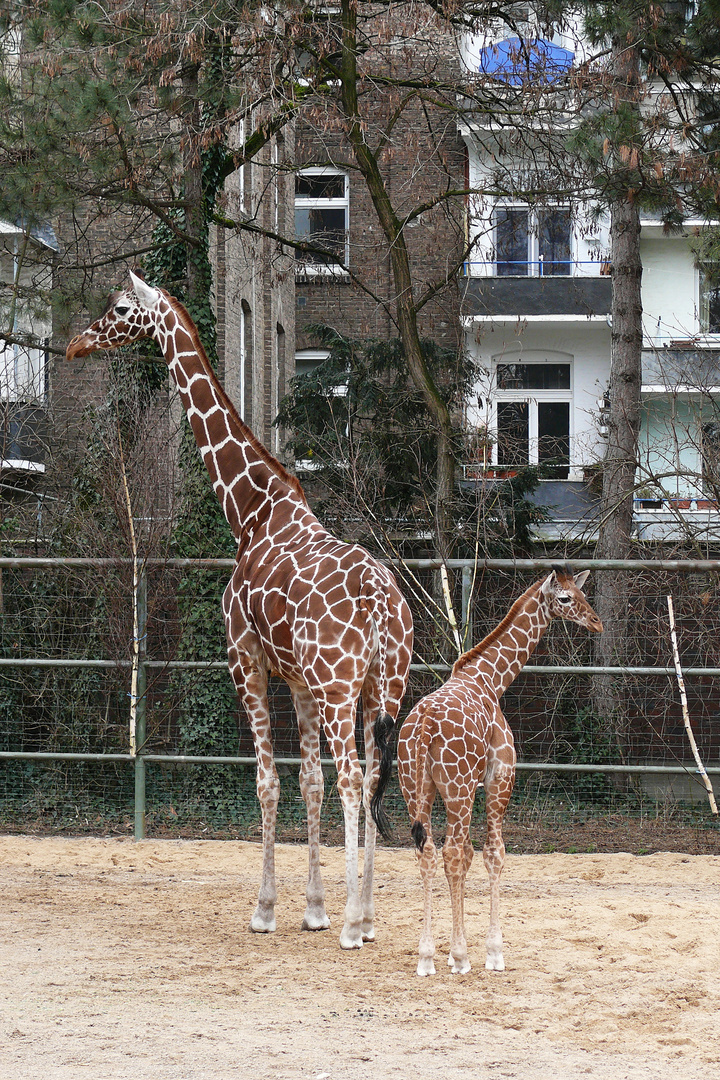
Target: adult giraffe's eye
121, 310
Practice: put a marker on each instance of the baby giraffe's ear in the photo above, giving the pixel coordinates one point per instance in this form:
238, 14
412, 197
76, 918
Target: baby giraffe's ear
581, 578
549, 582
144, 292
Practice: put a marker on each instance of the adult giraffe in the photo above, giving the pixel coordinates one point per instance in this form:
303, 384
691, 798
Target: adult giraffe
457, 738
322, 614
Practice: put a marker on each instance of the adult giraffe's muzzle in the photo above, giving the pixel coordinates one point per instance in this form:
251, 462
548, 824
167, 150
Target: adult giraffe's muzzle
81, 345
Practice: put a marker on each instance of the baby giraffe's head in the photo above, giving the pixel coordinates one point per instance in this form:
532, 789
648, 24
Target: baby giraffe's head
564, 596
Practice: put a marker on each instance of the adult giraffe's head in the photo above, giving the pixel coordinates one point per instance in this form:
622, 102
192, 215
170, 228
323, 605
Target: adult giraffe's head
128, 316
563, 593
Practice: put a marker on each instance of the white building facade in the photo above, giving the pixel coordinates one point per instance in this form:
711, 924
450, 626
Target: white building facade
537, 303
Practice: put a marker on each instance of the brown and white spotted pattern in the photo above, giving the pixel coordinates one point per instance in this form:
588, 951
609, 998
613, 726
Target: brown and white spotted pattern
457, 738
323, 615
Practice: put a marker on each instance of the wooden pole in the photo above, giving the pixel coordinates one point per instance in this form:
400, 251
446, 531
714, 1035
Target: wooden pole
138, 678
686, 714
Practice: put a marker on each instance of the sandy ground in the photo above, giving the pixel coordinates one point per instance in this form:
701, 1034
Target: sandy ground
134, 960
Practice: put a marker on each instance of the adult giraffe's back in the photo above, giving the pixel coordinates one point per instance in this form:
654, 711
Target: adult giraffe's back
324, 615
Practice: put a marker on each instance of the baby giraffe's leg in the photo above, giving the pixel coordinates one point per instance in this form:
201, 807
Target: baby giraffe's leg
456, 861
499, 781
427, 859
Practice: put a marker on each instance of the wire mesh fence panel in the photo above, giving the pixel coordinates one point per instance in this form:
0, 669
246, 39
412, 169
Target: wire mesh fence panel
55, 616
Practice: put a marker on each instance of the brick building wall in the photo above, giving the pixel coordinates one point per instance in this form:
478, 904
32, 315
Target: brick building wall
422, 157
255, 288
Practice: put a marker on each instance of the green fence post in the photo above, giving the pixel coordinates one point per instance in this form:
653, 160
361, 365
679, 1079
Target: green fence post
140, 601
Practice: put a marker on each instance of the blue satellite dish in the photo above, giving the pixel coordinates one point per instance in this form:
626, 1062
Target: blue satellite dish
517, 61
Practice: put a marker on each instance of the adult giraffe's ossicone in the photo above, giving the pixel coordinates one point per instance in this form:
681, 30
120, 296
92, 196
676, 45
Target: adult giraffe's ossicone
322, 614
457, 738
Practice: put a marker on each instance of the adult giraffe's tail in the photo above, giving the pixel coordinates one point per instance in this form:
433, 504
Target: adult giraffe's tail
422, 745
376, 597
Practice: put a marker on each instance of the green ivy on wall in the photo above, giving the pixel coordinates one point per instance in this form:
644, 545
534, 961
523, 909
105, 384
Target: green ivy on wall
207, 700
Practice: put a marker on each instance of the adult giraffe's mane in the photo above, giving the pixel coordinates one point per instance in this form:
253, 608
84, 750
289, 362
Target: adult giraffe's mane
477, 650
272, 463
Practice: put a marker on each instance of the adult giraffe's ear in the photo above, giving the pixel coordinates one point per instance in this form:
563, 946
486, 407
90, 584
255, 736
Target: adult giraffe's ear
581, 578
144, 292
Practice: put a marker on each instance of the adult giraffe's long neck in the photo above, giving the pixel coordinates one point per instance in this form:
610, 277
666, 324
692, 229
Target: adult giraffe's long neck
500, 657
247, 479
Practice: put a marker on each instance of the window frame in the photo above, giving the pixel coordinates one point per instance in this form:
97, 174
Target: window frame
535, 261
533, 397
303, 265
705, 290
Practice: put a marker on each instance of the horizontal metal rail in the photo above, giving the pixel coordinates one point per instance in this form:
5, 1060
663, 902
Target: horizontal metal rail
328, 763
221, 665
679, 565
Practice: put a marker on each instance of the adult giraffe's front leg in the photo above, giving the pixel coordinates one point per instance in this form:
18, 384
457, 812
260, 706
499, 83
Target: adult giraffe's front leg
312, 788
251, 684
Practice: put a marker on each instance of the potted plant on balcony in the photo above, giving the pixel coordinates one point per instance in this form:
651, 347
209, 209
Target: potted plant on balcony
478, 455
477, 450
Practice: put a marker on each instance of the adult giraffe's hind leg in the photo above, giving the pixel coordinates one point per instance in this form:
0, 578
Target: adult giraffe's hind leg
339, 723
312, 787
371, 707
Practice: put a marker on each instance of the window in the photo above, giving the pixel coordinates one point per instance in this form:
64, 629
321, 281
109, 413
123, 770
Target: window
321, 220
22, 373
306, 360
245, 370
533, 416
533, 243
710, 300
711, 458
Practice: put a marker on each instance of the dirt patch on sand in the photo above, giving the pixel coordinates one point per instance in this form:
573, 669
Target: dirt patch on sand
127, 960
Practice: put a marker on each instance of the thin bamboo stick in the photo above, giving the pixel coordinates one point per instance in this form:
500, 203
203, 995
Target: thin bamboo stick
134, 678
686, 713
448, 604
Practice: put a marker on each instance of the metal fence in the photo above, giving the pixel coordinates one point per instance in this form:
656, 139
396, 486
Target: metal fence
97, 680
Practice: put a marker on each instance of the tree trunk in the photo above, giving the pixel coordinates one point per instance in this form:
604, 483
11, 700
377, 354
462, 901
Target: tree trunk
195, 224
402, 280
620, 463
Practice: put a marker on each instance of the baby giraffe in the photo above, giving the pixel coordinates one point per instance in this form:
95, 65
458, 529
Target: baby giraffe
457, 738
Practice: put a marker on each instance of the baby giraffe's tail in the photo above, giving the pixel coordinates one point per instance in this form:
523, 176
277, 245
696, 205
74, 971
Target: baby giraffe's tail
422, 746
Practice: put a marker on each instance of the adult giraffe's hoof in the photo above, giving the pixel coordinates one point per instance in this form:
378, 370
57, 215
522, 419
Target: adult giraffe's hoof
495, 963
426, 966
351, 938
315, 921
458, 967
262, 924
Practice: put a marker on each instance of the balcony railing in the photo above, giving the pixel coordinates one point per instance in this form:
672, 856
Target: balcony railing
675, 505
535, 268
